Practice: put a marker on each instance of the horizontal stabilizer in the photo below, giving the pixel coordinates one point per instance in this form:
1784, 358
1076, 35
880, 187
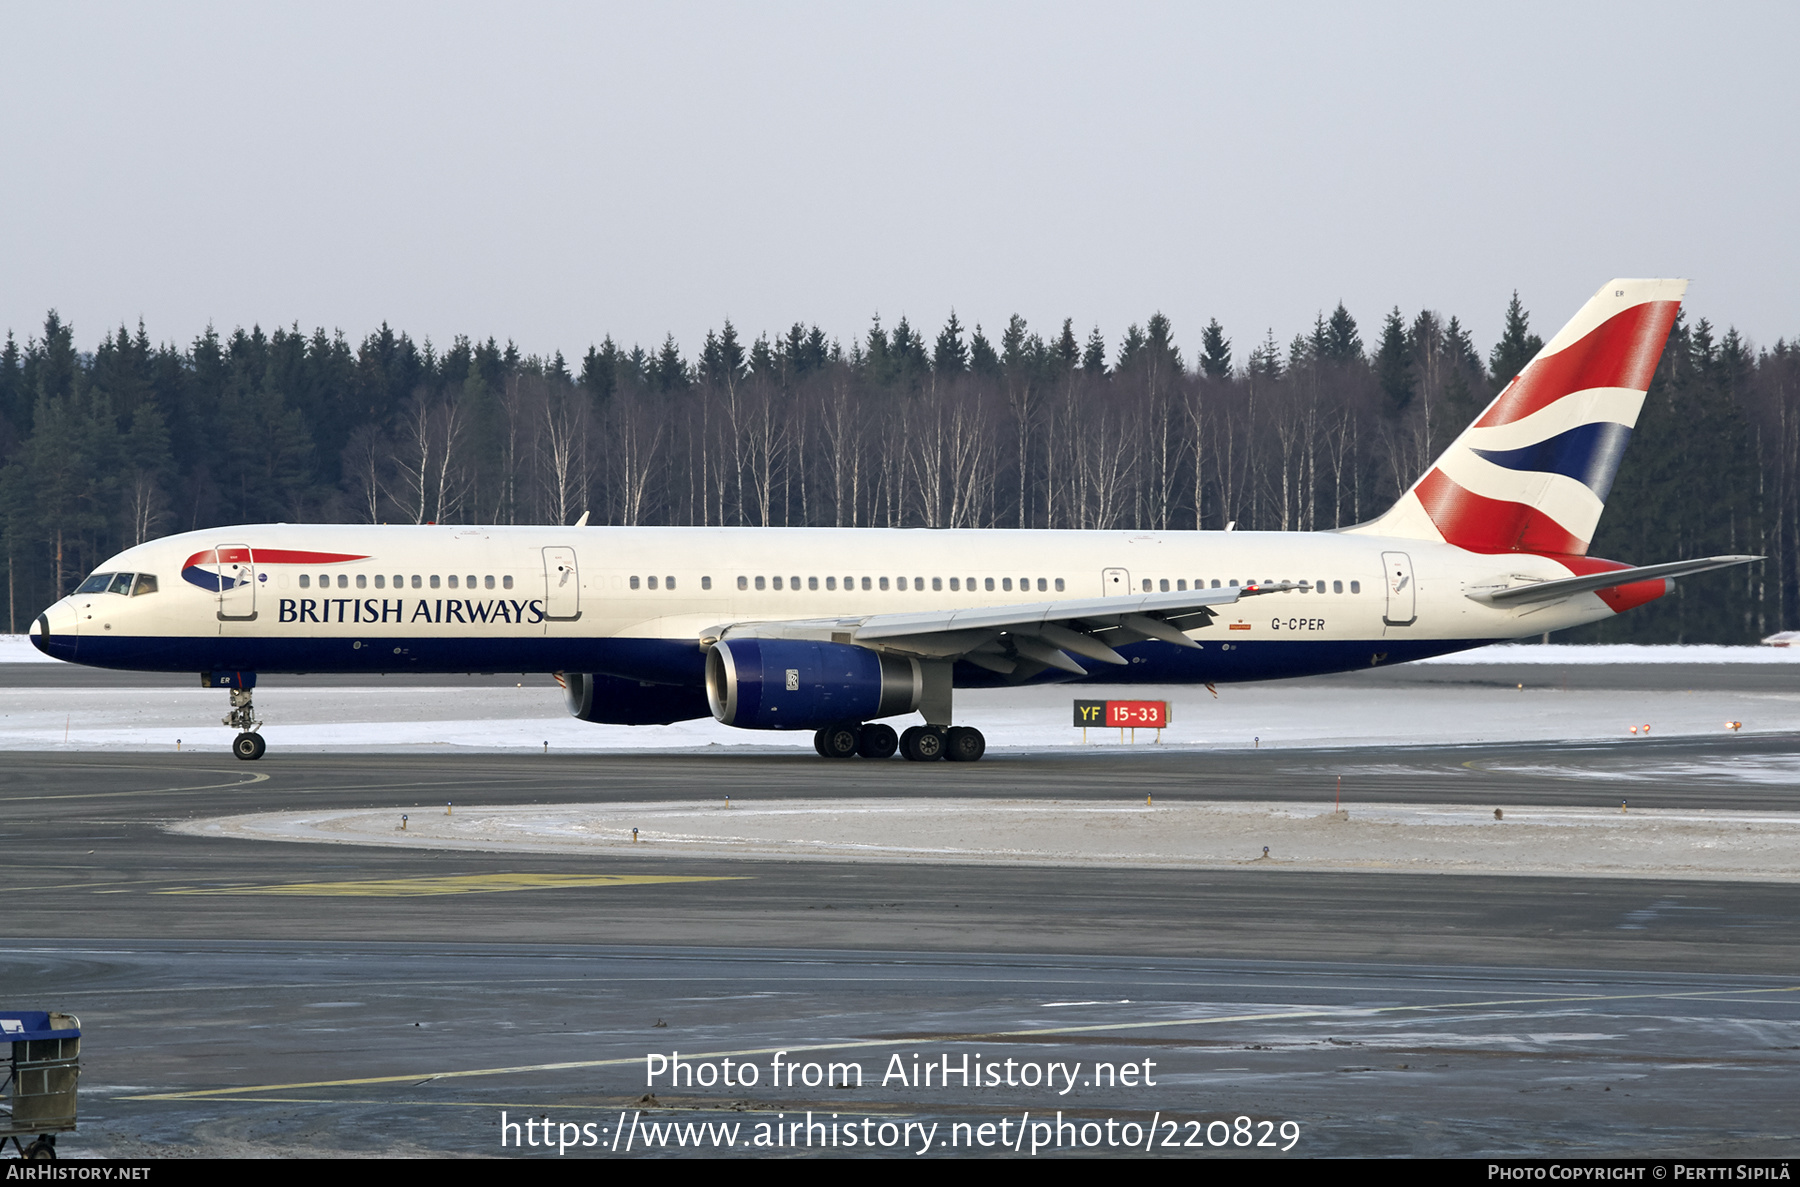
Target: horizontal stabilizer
1549, 591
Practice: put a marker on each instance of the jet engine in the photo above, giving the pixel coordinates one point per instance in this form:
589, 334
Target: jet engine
793, 684
610, 700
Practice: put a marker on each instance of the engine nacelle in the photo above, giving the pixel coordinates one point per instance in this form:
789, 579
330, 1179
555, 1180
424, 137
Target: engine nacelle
611, 700
792, 684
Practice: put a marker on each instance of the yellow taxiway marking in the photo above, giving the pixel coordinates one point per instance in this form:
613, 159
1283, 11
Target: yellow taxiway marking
451, 884
416, 1078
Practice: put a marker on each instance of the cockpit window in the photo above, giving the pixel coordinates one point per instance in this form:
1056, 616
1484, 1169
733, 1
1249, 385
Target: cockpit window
121, 584
146, 584
95, 584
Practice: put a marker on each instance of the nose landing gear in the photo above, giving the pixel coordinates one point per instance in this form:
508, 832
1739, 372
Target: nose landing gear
248, 745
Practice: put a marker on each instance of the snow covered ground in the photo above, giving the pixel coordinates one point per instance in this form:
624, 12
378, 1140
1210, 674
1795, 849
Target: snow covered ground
1283, 714
168, 711
1387, 837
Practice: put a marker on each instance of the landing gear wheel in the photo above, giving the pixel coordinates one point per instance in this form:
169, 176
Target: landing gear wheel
922, 743
878, 741
840, 740
819, 743
964, 744
42, 1150
249, 747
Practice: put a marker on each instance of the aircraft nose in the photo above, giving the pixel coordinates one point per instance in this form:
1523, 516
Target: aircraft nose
56, 630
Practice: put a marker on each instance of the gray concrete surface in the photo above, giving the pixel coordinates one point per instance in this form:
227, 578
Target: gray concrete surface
1384, 1013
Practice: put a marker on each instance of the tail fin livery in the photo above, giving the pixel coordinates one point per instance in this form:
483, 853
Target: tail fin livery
1532, 473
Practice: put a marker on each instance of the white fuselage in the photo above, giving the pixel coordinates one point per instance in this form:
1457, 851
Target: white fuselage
631, 600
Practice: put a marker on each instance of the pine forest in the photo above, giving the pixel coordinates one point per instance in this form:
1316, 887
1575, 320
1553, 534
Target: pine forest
962, 427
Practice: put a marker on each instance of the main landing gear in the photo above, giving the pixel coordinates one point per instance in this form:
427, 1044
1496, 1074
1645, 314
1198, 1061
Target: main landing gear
921, 743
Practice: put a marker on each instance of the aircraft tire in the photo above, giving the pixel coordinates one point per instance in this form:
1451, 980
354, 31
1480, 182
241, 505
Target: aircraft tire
840, 740
819, 743
964, 744
922, 743
878, 741
249, 746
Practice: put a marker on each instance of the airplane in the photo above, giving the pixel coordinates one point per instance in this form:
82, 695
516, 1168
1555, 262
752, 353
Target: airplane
833, 630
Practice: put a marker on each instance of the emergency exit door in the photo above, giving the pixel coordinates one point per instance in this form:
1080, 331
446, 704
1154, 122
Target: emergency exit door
1114, 581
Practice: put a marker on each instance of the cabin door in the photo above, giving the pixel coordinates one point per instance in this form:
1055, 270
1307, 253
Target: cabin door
1114, 581
1402, 592
235, 566
562, 585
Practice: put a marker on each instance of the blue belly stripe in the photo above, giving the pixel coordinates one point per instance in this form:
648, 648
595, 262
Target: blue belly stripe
680, 661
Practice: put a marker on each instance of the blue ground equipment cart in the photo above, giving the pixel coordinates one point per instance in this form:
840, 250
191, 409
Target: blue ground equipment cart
39, 1089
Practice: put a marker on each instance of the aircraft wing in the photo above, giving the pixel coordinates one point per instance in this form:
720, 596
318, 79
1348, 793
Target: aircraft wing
1023, 639
1549, 591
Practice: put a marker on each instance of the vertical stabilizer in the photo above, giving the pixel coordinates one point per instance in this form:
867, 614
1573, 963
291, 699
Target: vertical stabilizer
1532, 473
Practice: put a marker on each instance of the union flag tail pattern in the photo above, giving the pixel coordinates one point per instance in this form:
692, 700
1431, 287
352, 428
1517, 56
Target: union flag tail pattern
1532, 473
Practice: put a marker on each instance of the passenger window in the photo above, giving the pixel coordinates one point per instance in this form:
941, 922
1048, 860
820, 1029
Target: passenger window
434, 581
1233, 583
1006, 584
668, 583
794, 584
831, 583
761, 584
706, 583
1356, 587
884, 583
488, 581
1146, 585
988, 584
955, 585
506, 581
652, 583
865, 584
146, 584
1059, 585
1043, 586
417, 581
362, 581
937, 583
743, 583
305, 582
634, 581
452, 580
777, 583
1180, 584
468, 582
381, 582
1337, 587
1163, 585
1215, 583
343, 581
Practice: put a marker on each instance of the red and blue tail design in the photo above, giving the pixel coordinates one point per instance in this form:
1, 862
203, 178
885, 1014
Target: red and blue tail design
1532, 473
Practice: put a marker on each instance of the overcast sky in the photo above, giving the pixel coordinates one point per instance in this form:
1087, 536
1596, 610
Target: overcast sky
552, 173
